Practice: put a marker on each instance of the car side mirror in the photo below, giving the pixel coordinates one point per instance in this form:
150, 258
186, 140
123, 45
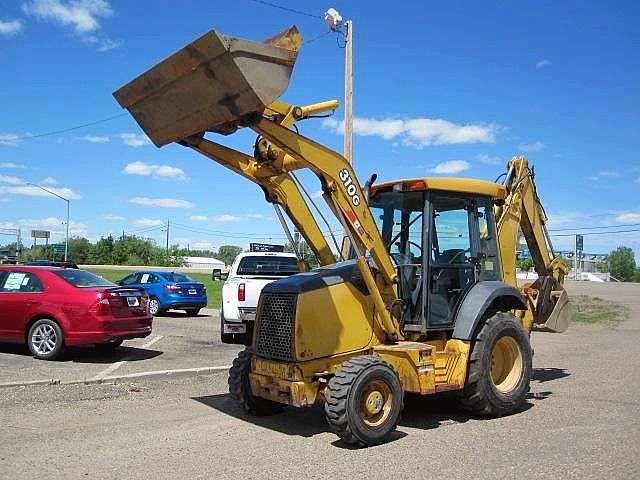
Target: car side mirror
224, 276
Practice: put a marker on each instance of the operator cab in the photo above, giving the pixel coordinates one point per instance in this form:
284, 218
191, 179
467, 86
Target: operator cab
445, 227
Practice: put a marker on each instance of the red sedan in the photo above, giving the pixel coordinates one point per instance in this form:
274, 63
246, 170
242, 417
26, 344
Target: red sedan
51, 308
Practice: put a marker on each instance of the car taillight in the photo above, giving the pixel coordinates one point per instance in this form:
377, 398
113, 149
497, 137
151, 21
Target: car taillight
102, 305
172, 288
241, 292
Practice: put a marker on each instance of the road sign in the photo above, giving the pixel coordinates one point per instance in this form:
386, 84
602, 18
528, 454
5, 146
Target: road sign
40, 234
58, 248
579, 242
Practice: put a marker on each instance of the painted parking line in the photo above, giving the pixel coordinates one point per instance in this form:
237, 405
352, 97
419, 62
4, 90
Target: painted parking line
114, 366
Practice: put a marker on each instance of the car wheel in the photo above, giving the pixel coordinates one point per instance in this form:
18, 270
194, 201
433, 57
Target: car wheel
154, 306
192, 312
224, 337
45, 339
109, 346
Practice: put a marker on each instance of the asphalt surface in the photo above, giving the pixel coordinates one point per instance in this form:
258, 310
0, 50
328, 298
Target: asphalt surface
177, 342
582, 420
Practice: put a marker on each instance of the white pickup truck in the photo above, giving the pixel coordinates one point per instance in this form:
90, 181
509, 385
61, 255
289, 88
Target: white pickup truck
248, 274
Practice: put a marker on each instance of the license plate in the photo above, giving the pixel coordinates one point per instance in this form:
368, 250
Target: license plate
133, 301
241, 328
192, 291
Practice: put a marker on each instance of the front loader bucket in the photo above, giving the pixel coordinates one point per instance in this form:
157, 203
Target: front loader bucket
211, 84
561, 315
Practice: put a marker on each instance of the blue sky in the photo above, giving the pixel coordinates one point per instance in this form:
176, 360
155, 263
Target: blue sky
439, 89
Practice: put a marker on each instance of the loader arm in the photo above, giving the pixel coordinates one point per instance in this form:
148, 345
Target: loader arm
523, 211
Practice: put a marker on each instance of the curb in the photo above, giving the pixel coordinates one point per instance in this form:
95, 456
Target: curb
157, 374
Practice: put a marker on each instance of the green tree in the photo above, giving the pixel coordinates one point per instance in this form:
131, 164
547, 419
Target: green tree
102, 251
525, 264
622, 264
79, 250
228, 253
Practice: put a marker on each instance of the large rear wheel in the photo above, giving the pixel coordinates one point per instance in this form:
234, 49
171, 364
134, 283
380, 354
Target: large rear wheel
364, 401
240, 388
499, 367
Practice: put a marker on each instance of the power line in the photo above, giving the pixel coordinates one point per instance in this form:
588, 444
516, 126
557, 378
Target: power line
594, 228
70, 129
596, 233
286, 9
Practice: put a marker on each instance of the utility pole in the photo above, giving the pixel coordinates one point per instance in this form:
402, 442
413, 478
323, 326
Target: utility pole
167, 240
348, 91
333, 19
66, 241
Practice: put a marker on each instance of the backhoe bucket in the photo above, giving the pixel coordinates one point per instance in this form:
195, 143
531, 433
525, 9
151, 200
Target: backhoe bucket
561, 315
211, 84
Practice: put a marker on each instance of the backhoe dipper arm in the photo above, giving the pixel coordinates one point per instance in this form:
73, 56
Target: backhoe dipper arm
523, 210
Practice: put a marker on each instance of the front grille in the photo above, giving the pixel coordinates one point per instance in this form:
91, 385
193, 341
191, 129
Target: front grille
276, 326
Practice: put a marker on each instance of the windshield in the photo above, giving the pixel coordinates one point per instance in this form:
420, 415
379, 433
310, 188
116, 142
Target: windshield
82, 279
398, 216
176, 277
268, 266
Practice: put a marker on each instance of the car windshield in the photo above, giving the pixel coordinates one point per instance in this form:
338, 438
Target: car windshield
268, 266
176, 277
82, 279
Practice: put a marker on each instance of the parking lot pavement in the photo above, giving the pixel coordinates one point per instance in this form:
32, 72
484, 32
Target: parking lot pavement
177, 342
582, 421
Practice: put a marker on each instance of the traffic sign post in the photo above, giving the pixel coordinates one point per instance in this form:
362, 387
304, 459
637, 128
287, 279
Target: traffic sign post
579, 247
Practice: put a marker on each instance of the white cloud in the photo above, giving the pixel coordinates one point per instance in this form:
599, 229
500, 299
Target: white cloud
96, 138
603, 175
532, 147
542, 63
112, 217
161, 202
198, 218
225, 218
490, 159
451, 167
53, 224
10, 165
418, 132
83, 15
146, 169
629, 217
9, 28
9, 139
49, 181
148, 222
31, 191
134, 139
317, 194
10, 179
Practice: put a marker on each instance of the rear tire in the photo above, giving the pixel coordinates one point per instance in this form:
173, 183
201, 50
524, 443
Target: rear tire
154, 306
45, 339
364, 401
240, 389
500, 368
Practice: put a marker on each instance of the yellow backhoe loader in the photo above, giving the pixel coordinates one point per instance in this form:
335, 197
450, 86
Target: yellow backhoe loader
422, 297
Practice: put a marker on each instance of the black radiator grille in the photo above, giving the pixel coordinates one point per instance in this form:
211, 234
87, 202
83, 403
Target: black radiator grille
276, 326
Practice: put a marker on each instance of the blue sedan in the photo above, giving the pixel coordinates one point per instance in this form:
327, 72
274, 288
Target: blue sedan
169, 290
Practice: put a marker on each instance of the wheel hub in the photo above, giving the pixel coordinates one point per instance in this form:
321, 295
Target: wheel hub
374, 402
506, 364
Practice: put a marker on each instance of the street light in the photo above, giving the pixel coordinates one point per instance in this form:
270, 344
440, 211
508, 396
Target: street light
66, 240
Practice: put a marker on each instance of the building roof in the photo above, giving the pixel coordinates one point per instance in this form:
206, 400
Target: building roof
208, 260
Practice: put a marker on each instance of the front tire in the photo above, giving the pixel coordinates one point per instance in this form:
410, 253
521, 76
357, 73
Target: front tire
45, 339
500, 368
364, 401
240, 389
